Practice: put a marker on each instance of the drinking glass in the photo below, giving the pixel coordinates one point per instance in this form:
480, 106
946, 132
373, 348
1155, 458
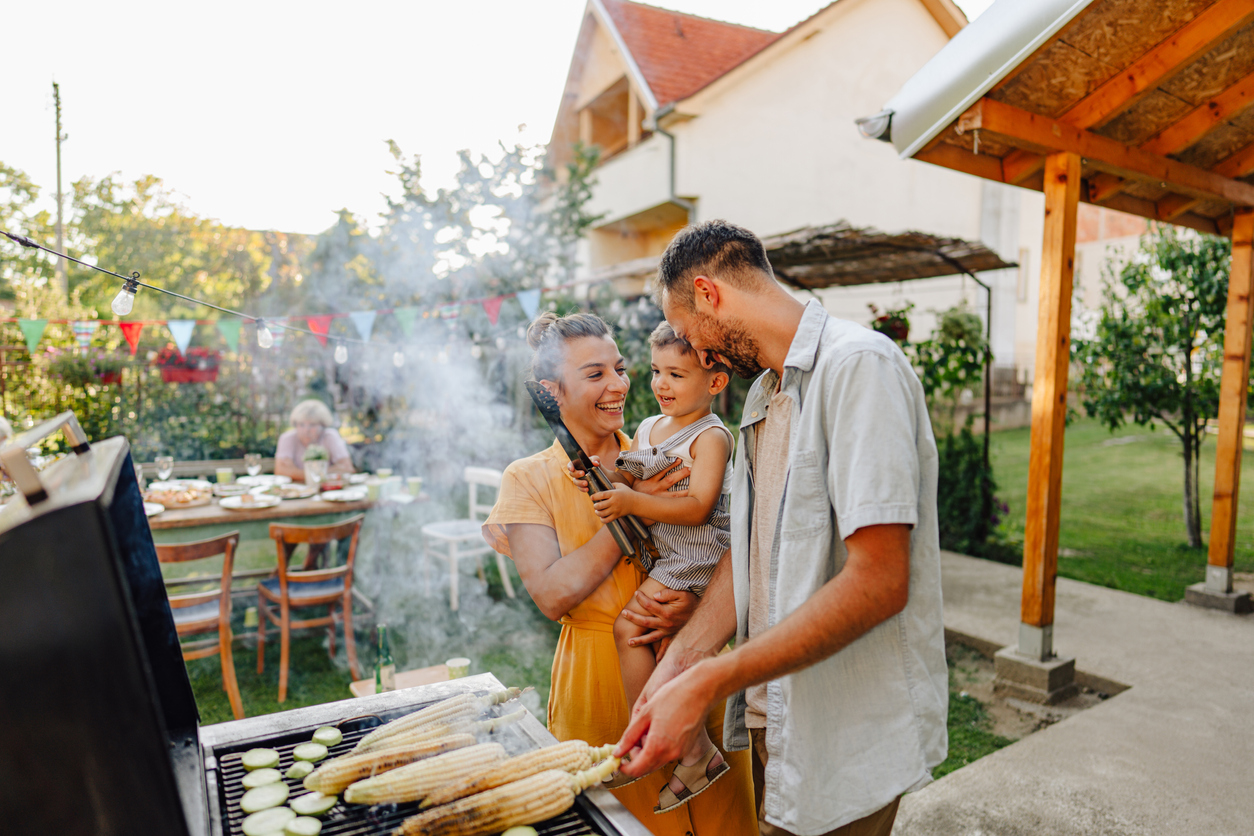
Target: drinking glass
315, 472
252, 463
165, 466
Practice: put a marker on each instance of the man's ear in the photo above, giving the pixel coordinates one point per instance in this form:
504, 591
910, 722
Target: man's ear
705, 294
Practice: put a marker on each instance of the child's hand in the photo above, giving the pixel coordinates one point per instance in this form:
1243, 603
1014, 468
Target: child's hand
610, 505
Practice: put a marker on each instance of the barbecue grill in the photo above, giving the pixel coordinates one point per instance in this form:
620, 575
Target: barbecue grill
99, 732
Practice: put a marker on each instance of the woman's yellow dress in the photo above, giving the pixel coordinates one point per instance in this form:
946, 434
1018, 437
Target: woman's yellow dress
587, 701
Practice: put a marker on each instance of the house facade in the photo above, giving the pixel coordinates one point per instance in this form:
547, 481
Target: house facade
699, 119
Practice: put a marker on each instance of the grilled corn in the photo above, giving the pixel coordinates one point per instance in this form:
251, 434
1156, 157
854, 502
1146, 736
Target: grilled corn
462, 708
333, 776
571, 756
441, 729
416, 780
533, 799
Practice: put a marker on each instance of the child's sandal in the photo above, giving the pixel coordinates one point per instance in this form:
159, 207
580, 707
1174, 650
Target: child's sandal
696, 779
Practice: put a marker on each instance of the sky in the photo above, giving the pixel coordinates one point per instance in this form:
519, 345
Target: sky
274, 116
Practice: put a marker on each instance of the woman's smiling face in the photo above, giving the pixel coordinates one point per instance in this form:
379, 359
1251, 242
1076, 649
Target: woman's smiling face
594, 386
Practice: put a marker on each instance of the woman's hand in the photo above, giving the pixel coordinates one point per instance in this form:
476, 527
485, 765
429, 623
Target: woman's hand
610, 505
669, 610
661, 483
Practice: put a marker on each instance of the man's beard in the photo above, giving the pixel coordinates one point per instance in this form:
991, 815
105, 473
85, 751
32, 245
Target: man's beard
734, 342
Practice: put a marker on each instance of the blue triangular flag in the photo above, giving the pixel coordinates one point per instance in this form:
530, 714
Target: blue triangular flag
364, 321
530, 301
182, 329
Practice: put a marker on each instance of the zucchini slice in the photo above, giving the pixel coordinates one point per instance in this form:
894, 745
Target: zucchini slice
261, 777
298, 770
520, 830
260, 759
264, 797
313, 804
328, 736
267, 822
312, 752
303, 826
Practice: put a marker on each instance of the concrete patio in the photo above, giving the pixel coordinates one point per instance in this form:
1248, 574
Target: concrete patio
1173, 754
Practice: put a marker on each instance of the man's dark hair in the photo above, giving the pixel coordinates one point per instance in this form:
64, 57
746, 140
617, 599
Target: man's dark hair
717, 249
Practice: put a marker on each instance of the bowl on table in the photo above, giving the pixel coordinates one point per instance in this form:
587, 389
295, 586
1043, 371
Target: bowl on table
249, 502
263, 479
350, 495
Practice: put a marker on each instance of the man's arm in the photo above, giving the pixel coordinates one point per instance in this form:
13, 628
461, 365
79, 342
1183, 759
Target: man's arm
872, 587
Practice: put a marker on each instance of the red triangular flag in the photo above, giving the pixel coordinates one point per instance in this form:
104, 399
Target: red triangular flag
131, 330
492, 307
320, 325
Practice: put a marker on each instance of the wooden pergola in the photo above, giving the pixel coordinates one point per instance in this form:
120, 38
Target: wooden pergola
1144, 106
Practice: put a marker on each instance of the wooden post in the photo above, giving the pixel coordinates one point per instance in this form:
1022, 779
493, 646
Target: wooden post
1232, 390
633, 119
1049, 406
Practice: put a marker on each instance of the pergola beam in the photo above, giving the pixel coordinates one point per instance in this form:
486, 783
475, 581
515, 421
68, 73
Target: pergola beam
1034, 132
1191, 41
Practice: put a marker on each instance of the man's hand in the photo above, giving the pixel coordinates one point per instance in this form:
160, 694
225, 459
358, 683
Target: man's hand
610, 505
665, 723
669, 610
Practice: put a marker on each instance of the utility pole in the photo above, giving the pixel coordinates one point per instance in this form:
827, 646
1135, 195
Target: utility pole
63, 280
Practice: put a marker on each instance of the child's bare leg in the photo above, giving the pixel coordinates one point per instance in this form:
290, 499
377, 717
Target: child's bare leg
636, 663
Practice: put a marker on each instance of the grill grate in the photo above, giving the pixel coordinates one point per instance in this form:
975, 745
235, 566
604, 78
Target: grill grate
345, 819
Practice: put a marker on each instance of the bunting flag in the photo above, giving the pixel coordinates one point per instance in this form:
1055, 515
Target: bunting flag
181, 330
83, 330
364, 322
229, 329
275, 331
32, 330
492, 307
320, 324
530, 301
406, 317
130, 330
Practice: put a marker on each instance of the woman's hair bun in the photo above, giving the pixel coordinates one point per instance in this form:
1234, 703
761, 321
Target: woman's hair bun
538, 327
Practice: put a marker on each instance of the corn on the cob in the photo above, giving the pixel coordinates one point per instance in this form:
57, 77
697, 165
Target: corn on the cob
459, 725
412, 782
462, 708
333, 776
571, 756
534, 799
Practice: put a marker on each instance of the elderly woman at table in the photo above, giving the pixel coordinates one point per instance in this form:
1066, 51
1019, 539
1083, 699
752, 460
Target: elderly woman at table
312, 423
576, 574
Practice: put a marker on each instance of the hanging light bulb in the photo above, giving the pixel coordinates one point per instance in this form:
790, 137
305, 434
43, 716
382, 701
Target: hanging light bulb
264, 338
398, 359
341, 354
500, 343
476, 352
124, 302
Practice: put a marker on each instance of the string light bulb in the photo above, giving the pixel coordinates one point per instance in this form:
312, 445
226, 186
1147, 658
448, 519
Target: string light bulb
264, 338
398, 359
476, 352
341, 354
124, 302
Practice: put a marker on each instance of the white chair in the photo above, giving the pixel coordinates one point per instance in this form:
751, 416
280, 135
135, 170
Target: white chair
464, 538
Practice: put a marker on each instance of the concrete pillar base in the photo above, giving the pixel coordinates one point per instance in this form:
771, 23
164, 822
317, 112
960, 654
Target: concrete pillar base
1045, 683
1200, 595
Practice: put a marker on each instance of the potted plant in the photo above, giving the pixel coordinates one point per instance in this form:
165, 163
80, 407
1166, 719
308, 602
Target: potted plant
316, 461
196, 365
82, 368
893, 323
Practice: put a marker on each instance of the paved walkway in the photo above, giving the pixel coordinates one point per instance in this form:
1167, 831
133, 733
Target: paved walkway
1174, 754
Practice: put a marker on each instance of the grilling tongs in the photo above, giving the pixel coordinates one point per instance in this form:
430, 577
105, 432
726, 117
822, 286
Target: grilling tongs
629, 533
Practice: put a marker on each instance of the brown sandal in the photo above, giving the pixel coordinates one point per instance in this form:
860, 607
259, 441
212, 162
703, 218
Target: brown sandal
696, 779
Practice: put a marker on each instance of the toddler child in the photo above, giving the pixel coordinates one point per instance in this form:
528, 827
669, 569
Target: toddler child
691, 531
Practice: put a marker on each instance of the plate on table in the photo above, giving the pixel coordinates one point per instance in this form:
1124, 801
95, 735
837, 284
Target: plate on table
249, 502
357, 478
263, 479
151, 509
230, 489
181, 485
348, 495
292, 491
179, 494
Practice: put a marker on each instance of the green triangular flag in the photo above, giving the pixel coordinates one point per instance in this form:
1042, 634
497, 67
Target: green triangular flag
32, 330
405, 316
229, 329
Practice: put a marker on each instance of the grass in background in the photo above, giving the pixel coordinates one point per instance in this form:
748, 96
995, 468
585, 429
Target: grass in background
1122, 509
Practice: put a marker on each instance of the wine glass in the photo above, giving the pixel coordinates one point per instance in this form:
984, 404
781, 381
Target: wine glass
252, 463
165, 466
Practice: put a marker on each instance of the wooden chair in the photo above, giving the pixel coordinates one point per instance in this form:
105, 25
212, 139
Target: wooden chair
207, 611
464, 538
323, 587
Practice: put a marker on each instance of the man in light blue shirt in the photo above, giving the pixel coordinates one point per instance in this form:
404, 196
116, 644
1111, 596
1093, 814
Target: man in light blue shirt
832, 584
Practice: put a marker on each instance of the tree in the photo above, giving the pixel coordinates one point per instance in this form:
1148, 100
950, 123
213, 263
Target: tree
1156, 352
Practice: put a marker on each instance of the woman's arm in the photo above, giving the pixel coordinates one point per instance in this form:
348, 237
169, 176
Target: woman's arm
286, 467
709, 463
555, 582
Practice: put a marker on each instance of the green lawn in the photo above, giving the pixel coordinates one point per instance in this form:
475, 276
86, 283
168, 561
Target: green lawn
1122, 518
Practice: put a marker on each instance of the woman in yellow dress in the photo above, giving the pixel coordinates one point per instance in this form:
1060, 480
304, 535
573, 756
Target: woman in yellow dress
577, 575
